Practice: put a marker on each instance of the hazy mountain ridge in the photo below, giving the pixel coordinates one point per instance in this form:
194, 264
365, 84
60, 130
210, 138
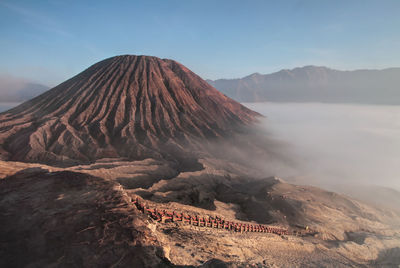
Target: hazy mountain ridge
315, 84
14, 89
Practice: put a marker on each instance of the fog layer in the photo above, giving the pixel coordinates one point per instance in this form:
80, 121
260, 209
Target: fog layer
335, 144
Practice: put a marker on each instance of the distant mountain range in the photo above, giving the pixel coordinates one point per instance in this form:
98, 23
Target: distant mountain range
303, 84
13, 89
315, 84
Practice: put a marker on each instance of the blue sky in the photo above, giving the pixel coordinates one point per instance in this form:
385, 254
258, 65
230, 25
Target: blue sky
50, 41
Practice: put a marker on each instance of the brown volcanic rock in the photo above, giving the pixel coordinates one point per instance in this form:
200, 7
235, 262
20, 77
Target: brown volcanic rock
68, 219
125, 106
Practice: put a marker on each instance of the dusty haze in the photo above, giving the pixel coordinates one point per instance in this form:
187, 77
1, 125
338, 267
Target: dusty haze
336, 143
17, 89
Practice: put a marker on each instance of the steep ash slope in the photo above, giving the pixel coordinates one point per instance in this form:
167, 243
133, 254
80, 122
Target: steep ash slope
125, 106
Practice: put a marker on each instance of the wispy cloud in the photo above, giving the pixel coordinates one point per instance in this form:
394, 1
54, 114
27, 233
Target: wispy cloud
39, 26
37, 20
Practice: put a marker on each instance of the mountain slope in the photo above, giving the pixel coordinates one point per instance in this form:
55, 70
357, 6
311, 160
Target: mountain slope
126, 106
69, 219
312, 83
66, 218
